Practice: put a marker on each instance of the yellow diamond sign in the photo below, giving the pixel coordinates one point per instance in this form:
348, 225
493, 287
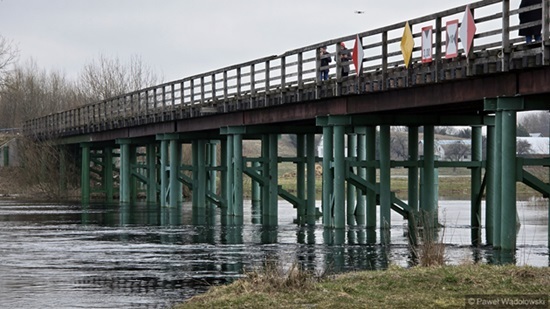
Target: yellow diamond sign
407, 44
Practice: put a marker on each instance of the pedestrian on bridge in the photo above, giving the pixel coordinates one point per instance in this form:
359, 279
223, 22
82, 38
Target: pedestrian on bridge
325, 60
530, 16
345, 57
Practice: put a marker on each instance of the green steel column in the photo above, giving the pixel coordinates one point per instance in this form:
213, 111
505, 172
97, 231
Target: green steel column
132, 180
256, 191
351, 190
199, 179
270, 213
497, 211
328, 179
125, 172
62, 171
85, 174
413, 170
360, 208
490, 175
301, 175
151, 152
6, 150
163, 173
339, 210
108, 176
265, 173
371, 177
508, 196
385, 183
475, 217
238, 177
175, 165
212, 180
227, 175
310, 202
428, 207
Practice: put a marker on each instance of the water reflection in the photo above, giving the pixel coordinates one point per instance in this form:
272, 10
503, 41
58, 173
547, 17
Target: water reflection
147, 256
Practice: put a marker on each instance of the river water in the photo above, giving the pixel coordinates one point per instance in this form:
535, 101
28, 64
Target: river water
108, 256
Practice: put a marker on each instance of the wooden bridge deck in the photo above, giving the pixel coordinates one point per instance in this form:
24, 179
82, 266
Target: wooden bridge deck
287, 88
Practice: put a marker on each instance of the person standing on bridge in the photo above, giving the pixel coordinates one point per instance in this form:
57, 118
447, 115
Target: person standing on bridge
345, 57
325, 60
530, 16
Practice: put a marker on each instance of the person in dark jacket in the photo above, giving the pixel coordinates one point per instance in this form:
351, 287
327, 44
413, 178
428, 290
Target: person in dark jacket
325, 60
530, 16
345, 56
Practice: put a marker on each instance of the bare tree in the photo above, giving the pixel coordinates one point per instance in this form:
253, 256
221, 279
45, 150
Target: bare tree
30, 92
107, 78
537, 122
456, 151
8, 55
523, 147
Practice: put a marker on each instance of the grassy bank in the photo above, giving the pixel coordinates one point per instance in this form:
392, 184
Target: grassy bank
418, 287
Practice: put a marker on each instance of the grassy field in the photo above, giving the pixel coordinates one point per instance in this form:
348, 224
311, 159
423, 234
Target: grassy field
418, 287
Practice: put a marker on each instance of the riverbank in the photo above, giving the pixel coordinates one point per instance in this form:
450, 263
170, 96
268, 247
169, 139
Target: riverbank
417, 287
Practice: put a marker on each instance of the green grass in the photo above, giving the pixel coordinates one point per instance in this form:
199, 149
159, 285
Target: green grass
418, 287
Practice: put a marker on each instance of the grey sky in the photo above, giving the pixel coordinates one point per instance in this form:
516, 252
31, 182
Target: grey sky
185, 37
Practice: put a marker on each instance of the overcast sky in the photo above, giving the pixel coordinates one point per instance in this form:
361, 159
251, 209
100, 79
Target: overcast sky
178, 38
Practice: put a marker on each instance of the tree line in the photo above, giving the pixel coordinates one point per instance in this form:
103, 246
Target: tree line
28, 91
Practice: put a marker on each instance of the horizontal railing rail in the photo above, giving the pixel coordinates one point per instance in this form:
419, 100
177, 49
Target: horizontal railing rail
295, 75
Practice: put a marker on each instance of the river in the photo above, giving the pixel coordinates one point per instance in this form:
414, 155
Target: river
108, 256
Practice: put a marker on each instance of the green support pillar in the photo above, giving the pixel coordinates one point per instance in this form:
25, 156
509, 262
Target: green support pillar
475, 216
85, 174
199, 179
125, 172
385, 181
212, 184
310, 202
328, 179
227, 177
351, 190
175, 194
6, 150
301, 175
508, 155
371, 177
256, 195
413, 170
164, 184
265, 173
270, 211
238, 178
108, 174
360, 208
62, 171
132, 179
490, 175
497, 176
151, 161
429, 207
339, 210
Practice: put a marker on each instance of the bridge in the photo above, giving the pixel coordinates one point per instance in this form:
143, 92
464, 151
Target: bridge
414, 73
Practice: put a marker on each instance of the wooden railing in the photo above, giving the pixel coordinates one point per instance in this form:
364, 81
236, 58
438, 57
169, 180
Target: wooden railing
294, 76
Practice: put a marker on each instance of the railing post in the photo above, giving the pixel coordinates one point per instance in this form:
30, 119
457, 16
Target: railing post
338, 70
252, 85
300, 76
225, 109
505, 35
318, 72
267, 74
384, 60
546, 31
283, 78
239, 83
438, 42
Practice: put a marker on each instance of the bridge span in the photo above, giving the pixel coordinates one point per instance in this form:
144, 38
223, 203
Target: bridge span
482, 83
